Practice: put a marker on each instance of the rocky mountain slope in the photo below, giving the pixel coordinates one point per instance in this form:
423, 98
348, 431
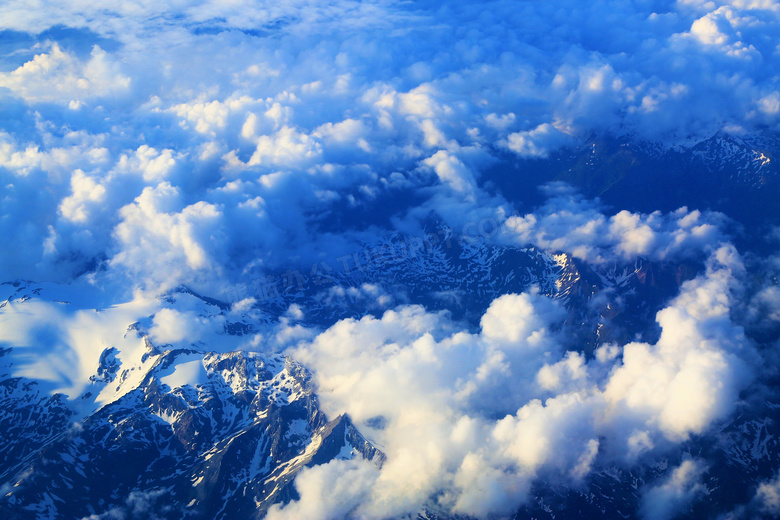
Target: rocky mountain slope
206, 431
190, 433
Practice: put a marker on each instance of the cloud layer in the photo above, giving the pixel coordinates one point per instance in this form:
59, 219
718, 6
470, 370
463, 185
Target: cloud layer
470, 420
219, 138
153, 144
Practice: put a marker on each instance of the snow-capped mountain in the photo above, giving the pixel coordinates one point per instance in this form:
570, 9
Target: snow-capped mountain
191, 433
737, 173
216, 422
389, 260
210, 429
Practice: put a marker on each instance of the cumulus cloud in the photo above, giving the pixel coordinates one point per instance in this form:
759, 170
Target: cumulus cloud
86, 193
198, 144
683, 486
369, 296
333, 490
537, 142
172, 326
138, 504
59, 76
568, 222
452, 172
178, 236
693, 374
412, 369
481, 415
768, 496
318, 110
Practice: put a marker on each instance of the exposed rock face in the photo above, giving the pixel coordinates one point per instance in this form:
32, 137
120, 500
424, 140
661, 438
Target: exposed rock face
204, 435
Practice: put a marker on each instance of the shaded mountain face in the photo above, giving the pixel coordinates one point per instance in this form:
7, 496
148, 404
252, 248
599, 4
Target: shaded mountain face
220, 426
197, 435
186, 430
740, 452
735, 174
381, 259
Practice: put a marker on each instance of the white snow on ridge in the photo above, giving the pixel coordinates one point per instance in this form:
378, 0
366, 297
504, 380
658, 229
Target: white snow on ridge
188, 371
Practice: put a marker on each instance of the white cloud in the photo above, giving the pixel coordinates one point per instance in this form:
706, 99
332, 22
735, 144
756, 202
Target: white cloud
478, 415
61, 77
137, 504
515, 319
153, 165
537, 142
86, 193
325, 104
198, 143
171, 326
693, 374
332, 490
452, 172
370, 295
165, 241
567, 222
286, 147
682, 487
768, 496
